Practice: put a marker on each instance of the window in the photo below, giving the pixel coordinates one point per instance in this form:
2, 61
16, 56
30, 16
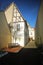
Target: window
18, 27
31, 33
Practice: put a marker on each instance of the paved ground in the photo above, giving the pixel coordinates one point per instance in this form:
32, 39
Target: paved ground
13, 49
27, 56
31, 44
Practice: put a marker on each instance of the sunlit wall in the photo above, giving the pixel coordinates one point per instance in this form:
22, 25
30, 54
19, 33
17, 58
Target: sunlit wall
5, 36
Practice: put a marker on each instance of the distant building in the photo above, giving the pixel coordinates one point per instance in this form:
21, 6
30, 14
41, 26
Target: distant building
17, 27
39, 26
31, 32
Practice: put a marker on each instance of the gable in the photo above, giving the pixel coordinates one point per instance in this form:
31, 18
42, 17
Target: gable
17, 17
12, 14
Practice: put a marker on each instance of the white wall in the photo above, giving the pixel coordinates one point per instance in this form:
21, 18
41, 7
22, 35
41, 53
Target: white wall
19, 34
32, 33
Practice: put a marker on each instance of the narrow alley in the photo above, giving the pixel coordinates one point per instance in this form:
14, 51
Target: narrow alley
21, 41
30, 44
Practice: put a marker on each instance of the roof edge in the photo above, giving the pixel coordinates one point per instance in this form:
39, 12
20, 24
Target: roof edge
8, 6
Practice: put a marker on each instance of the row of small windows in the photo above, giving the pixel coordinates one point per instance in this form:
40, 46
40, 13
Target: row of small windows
16, 14
17, 19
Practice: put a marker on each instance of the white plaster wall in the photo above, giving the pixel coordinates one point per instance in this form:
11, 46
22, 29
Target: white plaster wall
32, 33
20, 34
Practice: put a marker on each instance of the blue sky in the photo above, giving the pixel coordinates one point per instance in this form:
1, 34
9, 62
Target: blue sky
28, 8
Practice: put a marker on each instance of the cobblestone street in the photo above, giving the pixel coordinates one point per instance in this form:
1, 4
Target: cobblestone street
31, 44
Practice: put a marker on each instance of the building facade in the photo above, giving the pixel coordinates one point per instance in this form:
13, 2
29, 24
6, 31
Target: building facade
39, 26
17, 25
31, 32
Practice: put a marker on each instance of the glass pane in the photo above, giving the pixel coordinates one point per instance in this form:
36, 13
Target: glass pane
18, 27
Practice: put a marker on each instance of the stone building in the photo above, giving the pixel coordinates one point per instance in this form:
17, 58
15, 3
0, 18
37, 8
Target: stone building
39, 26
